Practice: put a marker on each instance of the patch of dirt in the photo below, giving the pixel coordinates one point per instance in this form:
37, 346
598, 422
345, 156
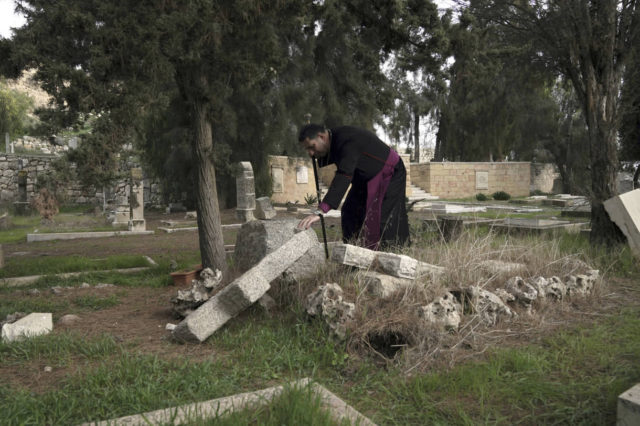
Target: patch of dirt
137, 322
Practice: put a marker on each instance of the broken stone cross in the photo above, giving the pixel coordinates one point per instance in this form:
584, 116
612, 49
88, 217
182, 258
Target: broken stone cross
244, 291
245, 192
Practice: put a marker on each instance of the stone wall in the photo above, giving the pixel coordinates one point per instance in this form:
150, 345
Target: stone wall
462, 180
19, 174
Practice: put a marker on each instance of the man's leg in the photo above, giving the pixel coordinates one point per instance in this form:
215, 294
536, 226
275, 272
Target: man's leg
394, 222
353, 212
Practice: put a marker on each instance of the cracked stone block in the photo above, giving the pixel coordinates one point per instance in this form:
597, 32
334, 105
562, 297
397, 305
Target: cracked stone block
187, 301
264, 209
34, 324
402, 266
326, 302
443, 312
524, 292
490, 308
350, 255
244, 291
382, 285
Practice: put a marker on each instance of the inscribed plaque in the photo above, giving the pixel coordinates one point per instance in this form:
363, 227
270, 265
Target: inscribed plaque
277, 179
482, 180
302, 174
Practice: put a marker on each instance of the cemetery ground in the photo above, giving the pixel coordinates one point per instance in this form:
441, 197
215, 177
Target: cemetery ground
566, 363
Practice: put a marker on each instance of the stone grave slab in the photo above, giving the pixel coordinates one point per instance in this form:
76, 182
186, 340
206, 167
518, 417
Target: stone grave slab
198, 412
629, 407
536, 225
624, 211
577, 211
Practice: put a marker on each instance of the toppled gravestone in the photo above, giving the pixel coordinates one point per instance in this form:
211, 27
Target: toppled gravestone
34, 324
489, 307
402, 266
264, 209
326, 302
187, 301
243, 291
381, 285
397, 265
444, 312
258, 238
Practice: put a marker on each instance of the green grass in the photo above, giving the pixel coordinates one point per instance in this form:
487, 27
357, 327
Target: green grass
95, 303
17, 266
572, 377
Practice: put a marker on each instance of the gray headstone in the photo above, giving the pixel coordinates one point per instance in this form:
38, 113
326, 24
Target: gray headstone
258, 238
264, 208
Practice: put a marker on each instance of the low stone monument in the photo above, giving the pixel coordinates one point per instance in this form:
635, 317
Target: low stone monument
245, 192
136, 200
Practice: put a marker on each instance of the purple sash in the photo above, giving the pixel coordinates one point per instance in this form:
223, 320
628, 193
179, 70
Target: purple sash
376, 189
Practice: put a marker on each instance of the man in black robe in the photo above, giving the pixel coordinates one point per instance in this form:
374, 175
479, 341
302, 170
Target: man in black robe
374, 213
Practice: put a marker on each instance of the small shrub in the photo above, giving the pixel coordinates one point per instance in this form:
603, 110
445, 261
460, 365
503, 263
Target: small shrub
310, 199
539, 192
46, 204
501, 195
481, 197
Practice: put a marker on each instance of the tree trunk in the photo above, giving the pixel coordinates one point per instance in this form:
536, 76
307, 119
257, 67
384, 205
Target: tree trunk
601, 104
416, 135
209, 225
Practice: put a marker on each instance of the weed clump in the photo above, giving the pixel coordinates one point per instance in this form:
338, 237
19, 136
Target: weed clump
481, 197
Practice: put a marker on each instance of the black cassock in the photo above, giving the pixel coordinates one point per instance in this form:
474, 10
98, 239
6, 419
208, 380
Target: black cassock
369, 165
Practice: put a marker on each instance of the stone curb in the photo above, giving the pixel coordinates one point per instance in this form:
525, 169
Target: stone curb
214, 408
29, 279
32, 238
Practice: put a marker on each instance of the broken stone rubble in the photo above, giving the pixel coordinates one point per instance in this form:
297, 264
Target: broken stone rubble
523, 292
444, 312
489, 307
34, 324
186, 301
327, 303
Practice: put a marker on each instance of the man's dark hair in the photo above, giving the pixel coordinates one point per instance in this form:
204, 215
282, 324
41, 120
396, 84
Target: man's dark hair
310, 131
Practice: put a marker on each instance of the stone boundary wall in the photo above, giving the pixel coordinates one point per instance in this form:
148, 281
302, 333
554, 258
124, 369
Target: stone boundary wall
288, 183
462, 180
16, 168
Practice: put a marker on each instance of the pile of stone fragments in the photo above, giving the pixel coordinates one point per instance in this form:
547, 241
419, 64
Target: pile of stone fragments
272, 250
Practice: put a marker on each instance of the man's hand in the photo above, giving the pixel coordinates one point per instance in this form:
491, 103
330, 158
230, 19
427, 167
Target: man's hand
308, 221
